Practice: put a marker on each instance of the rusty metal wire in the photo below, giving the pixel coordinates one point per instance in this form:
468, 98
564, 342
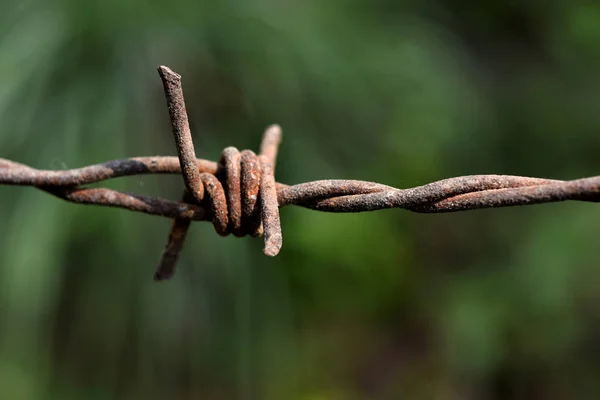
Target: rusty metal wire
240, 196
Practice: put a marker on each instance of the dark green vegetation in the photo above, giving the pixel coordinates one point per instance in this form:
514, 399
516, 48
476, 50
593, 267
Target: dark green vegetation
487, 304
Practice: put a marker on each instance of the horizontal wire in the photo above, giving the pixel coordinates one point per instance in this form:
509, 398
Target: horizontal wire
239, 193
448, 195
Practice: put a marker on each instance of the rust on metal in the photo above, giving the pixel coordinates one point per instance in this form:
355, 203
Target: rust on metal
239, 194
12, 173
250, 185
131, 202
175, 241
270, 144
218, 203
181, 131
269, 209
229, 172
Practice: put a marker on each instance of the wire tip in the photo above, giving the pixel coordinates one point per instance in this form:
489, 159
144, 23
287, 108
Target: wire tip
165, 71
160, 276
273, 245
273, 131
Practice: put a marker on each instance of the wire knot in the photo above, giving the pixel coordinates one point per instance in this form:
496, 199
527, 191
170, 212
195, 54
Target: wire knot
240, 196
233, 194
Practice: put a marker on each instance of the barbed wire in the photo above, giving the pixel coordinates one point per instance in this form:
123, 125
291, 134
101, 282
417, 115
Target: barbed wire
239, 195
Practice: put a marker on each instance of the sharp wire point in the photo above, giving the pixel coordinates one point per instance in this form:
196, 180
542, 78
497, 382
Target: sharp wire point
239, 194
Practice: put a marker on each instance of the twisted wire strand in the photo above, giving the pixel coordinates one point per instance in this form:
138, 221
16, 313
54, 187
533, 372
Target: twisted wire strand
242, 183
240, 196
463, 193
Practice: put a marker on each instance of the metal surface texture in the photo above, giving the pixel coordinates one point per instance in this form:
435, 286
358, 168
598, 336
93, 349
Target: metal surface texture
240, 196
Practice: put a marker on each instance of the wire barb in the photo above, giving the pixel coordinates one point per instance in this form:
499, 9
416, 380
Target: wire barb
239, 194
170, 255
181, 131
225, 191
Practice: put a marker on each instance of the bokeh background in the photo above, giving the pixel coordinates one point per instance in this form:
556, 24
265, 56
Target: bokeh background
490, 304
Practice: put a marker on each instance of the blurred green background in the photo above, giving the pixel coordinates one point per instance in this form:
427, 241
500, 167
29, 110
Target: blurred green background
490, 304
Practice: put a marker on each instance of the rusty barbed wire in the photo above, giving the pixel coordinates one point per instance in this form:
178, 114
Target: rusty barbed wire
240, 196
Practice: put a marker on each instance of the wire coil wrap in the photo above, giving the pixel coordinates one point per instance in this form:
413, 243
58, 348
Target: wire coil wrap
239, 195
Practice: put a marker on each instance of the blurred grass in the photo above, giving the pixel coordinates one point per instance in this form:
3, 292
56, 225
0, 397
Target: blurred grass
487, 304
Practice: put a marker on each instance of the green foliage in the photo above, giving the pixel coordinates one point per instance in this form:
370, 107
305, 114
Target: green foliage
377, 305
